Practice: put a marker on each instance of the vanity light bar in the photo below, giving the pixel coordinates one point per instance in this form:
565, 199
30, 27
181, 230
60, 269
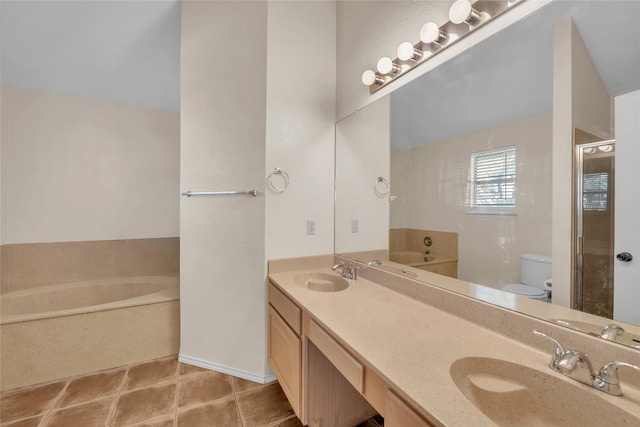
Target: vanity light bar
465, 17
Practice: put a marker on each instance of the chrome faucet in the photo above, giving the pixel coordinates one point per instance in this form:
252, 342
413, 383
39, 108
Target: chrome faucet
576, 365
607, 380
558, 352
611, 331
348, 271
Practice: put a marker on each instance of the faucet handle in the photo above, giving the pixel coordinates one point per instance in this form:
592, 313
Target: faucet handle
338, 265
558, 352
611, 331
608, 380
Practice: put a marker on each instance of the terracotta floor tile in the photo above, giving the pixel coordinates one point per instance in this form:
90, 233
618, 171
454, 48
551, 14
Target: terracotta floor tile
29, 422
164, 422
186, 369
91, 387
219, 414
290, 422
143, 404
244, 385
265, 405
151, 373
85, 415
203, 388
26, 403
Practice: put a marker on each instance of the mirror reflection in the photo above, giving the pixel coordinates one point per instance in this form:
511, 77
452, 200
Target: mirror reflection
468, 150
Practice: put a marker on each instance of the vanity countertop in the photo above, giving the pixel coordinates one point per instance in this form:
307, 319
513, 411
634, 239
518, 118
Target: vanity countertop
412, 344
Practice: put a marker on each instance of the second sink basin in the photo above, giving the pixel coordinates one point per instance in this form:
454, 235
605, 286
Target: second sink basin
515, 395
321, 282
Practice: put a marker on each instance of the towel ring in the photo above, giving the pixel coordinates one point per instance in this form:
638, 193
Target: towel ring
381, 192
285, 178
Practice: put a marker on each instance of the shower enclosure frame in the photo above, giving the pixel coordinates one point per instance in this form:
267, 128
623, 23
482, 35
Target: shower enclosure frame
578, 288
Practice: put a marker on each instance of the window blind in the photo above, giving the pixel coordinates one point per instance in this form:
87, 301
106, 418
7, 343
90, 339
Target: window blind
594, 191
494, 178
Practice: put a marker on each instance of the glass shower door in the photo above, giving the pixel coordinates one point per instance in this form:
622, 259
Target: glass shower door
593, 292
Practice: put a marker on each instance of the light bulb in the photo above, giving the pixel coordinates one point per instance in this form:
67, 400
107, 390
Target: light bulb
369, 77
606, 148
387, 66
430, 33
589, 150
406, 52
461, 11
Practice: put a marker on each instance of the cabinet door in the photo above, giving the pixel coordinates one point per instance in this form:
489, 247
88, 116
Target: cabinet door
399, 414
285, 355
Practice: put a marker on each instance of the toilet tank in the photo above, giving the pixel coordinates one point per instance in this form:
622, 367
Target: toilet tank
534, 269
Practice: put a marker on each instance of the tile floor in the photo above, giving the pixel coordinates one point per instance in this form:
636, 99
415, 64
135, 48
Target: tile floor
160, 393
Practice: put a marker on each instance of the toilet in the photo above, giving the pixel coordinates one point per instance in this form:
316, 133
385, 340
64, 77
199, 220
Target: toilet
535, 270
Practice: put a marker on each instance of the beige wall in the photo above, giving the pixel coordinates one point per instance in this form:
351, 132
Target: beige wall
76, 169
27, 265
362, 155
300, 126
579, 100
274, 108
223, 111
431, 183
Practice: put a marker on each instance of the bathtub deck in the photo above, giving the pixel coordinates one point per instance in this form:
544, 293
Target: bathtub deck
162, 392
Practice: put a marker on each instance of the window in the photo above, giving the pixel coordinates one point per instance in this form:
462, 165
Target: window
493, 182
594, 191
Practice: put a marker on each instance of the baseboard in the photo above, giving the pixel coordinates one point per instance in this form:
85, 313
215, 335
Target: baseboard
226, 370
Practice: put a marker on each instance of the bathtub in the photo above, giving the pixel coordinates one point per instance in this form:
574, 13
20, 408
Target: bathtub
58, 331
434, 264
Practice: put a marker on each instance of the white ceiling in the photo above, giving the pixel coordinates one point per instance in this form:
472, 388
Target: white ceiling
509, 76
122, 51
129, 51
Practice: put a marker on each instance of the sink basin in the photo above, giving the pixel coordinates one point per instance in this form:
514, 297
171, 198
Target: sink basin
515, 395
321, 282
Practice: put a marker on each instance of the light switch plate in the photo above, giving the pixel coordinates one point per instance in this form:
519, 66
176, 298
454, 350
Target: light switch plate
311, 227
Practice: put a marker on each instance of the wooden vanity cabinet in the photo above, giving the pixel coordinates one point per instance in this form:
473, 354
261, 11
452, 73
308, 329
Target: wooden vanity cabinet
285, 347
325, 384
399, 414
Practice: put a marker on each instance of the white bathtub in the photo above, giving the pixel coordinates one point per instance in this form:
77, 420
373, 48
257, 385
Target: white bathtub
59, 331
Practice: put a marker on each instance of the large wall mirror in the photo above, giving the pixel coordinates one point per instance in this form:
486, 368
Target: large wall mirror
453, 173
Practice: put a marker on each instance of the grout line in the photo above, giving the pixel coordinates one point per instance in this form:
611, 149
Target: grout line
277, 422
54, 402
175, 403
114, 405
243, 423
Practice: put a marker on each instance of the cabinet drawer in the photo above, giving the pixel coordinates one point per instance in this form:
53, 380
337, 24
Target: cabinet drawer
399, 414
287, 309
346, 364
285, 358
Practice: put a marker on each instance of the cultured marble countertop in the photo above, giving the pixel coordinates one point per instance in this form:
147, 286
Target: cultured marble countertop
412, 344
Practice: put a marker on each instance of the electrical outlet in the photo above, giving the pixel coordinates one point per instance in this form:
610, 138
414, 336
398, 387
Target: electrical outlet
355, 225
311, 227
